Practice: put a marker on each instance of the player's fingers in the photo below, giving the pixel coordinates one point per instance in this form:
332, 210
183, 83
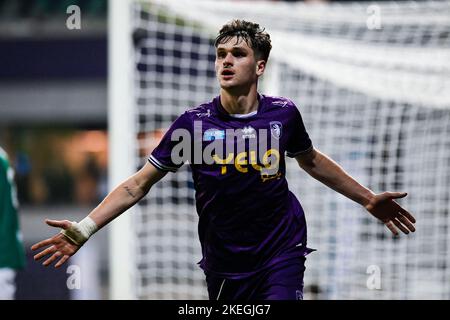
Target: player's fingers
55, 256
64, 224
41, 244
45, 252
406, 222
391, 227
396, 195
62, 261
400, 226
408, 215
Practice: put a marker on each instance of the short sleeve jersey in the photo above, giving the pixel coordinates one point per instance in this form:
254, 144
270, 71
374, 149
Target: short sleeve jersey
248, 217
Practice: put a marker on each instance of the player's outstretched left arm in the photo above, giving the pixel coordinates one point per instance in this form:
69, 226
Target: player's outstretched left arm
382, 206
74, 234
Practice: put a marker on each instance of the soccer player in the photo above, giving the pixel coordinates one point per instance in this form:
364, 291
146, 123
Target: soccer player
252, 228
12, 254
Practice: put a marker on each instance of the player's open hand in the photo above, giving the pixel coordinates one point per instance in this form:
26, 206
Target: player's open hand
383, 207
58, 246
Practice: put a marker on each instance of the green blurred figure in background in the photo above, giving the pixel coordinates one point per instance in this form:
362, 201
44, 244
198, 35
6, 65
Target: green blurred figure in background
12, 254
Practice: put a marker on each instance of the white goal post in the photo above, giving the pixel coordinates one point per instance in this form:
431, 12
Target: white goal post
121, 129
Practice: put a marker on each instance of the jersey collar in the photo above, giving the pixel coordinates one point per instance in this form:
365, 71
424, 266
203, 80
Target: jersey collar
220, 109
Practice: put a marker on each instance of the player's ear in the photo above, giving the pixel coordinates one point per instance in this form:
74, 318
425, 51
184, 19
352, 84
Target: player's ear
260, 67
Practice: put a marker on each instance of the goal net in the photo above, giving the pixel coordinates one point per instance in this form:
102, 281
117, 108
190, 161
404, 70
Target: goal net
372, 81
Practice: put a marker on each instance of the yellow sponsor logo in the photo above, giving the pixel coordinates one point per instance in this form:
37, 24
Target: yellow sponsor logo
244, 160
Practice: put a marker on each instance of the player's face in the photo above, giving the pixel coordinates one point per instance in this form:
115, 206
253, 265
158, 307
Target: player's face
236, 65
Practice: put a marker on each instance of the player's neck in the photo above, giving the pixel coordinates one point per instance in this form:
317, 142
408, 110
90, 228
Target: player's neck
242, 103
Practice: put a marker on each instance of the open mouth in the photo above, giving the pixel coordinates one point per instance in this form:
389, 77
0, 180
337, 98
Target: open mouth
227, 73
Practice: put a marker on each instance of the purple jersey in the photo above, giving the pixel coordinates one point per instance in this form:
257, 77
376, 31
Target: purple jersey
248, 218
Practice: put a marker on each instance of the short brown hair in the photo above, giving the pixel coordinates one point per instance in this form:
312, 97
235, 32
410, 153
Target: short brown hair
255, 37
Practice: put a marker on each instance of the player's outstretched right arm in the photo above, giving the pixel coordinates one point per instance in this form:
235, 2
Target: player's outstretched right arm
74, 234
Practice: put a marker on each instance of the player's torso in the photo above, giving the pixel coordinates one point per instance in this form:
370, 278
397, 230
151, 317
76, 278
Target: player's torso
238, 165
247, 213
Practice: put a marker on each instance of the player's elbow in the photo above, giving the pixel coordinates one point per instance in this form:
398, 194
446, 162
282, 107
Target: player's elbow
307, 161
147, 177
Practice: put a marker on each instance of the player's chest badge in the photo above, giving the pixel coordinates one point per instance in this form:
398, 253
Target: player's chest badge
276, 129
213, 134
248, 132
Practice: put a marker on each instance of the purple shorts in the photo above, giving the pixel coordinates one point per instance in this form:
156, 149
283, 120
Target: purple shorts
283, 281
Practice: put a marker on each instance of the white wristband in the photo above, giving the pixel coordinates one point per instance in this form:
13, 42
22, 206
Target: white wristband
80, 232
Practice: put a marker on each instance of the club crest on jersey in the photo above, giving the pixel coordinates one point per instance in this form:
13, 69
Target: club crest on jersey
276, 129
248, 133
213, 134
